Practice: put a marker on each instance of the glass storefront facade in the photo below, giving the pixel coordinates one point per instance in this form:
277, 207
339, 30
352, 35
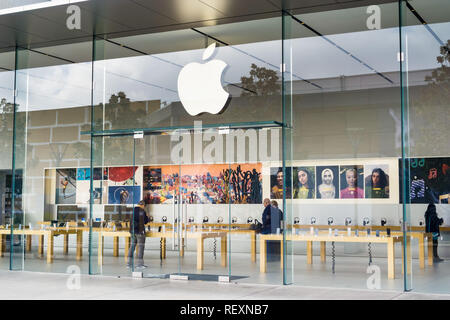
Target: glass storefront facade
337, 115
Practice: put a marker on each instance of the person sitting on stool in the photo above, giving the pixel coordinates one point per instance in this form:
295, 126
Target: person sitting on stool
137, 229
432, 223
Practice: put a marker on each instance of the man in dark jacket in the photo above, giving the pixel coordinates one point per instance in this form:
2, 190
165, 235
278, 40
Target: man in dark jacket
137, 229
432, 223
266, 222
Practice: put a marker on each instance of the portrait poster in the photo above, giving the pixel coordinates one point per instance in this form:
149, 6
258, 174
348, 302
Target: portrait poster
327, 182
351, 182
277, 181
304, 183
66, 186
376, 181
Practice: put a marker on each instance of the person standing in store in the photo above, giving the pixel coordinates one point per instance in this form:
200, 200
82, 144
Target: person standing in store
432, 223
266, 222
137, 229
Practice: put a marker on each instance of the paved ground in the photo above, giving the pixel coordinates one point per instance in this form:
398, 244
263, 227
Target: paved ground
33, 285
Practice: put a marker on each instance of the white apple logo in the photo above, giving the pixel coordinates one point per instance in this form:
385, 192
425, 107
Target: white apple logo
199, 86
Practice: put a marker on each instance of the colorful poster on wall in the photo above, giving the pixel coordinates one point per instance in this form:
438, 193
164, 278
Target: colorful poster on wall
124, 194
66, 186
214, 184
351, 182
327, 182
85, 174
376, 181
430, 180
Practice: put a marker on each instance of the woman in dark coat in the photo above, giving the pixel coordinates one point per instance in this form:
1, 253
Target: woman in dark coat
432, 223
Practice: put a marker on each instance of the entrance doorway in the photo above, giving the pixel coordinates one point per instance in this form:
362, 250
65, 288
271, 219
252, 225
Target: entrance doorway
200, 201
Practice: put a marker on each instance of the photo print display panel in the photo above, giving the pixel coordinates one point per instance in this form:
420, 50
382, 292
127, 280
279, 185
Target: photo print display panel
329, 179
351, 182
376, 181
66, 186
327, 182
276, 182
84, 186
304, 182
124, 185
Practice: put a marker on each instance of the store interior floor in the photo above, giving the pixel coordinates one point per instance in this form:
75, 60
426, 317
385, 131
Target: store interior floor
350, 271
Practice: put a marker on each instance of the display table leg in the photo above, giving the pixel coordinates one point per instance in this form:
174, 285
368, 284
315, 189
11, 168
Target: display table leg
127, 247
421, 252
309, 252
100, 249
66, 243
262, 255
253, 246
223, 251
164, 248
50, 247
41, 245
182, 248
391, 259
281, 254
430, 250
116, 246
323, 251
79, 244
2, 245
29, 242
199, 253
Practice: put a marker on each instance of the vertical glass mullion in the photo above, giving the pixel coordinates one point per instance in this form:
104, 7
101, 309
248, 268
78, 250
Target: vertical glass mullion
287, 150
96, 156
403, 57
18, 162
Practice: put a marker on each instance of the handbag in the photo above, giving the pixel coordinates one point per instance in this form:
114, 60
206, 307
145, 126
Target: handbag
257, 226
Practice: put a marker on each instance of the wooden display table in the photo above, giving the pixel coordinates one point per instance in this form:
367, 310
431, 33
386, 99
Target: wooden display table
231, 228
323, 238
199, 236
50, 233
415, 232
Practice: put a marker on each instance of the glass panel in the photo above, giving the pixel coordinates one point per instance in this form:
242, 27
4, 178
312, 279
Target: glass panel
116, 192
288, 165
138, 83
346, 145
52, 108
426, 78
7, 65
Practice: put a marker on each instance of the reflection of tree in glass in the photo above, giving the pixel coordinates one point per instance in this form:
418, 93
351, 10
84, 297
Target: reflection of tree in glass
261, 82
430, 114
118, 114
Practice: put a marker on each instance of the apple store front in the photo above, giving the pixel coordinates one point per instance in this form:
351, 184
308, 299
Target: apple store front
262, 143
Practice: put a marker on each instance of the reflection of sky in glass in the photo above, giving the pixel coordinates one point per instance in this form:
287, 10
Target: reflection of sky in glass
155, 77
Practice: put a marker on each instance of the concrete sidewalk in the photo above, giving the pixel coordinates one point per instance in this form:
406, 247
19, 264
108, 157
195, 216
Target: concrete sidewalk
33, 285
